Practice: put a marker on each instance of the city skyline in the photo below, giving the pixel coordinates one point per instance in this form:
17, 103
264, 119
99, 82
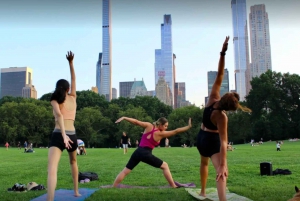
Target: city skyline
199, 29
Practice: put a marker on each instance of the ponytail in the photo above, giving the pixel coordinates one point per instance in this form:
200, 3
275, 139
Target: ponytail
62, 86
59, 95
244, 108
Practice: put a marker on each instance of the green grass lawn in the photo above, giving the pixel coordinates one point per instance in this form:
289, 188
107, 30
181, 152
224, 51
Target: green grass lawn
243, 163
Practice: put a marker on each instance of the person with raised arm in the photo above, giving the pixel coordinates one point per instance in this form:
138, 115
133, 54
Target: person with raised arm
212, 137
64, 134
151, 137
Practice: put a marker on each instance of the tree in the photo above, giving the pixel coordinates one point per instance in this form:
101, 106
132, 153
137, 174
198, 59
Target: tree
274, 99
152, 105
90, 124
9, 122
179, 118
239, 127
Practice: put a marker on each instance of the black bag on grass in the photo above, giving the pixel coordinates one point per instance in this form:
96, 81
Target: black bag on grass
88, 175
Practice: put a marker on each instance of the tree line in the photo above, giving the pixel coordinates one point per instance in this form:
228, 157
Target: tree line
274, 100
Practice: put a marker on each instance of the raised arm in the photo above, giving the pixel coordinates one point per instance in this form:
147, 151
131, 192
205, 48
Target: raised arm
166, 134
134, 121
70, 57
215, 91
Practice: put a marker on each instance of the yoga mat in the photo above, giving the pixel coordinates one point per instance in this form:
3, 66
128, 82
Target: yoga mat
212, 195
68, 195
187, 185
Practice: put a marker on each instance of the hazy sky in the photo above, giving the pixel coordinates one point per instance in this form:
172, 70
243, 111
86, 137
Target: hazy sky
38, 34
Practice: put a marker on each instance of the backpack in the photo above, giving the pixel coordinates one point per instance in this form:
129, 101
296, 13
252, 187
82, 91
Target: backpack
88, 175
281, 171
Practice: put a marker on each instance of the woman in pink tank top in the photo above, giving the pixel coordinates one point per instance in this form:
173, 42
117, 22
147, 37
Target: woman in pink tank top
151, 138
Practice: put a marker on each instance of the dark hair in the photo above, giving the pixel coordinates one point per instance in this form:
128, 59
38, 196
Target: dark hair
62, 86
230, 102
161, 121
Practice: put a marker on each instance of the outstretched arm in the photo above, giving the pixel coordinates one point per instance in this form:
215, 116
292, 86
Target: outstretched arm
134, 121
215, 91
166, 134
70, 57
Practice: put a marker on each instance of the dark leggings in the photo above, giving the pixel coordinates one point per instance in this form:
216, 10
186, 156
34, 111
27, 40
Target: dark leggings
143, 154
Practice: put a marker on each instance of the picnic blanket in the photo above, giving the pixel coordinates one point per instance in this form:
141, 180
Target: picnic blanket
186, 185
212, 195
66, 194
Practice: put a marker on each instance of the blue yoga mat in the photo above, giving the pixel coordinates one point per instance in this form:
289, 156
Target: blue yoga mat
66, 194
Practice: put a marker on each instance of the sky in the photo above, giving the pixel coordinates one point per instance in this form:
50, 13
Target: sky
38, 34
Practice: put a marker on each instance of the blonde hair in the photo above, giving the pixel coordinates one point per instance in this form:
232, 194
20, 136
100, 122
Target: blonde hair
160, 121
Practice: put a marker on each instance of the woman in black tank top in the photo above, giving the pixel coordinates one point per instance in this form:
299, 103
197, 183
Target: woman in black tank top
212, 138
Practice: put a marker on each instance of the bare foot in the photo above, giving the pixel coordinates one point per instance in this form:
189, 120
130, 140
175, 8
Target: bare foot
77, 195
202, 194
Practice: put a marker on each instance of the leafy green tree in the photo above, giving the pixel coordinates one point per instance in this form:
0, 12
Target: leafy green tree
46, 97
239, 127
90, 99
179, 118
152, 105
274, 100
9, 122
90, 124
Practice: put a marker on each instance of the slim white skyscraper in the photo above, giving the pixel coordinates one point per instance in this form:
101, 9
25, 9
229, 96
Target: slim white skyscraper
241, 47
164, 69
260, 40
104, 68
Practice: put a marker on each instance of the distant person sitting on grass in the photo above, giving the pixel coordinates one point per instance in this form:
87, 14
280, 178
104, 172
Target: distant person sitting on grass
151, 138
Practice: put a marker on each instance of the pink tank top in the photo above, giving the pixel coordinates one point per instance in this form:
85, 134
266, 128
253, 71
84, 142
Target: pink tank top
151, 143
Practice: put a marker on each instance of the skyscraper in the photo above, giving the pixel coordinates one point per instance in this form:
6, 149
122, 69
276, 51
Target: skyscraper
260, 40
240, 42
211, 77
164, 69
179, 94
98, 73
125, 88
105, 83
17, 82
114, 93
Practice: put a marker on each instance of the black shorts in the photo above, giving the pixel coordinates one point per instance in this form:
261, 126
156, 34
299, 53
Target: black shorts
208, 143
58, 141
143, 154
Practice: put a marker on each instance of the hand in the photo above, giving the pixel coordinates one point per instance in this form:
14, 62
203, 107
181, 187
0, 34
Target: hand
225, 44
70, 56
190, 122
222, 172
119, 120
67, 142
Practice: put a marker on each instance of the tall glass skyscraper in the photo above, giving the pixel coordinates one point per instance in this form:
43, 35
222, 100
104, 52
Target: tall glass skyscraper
164, 60
240, 42
104, 73
260, 40
98, 73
